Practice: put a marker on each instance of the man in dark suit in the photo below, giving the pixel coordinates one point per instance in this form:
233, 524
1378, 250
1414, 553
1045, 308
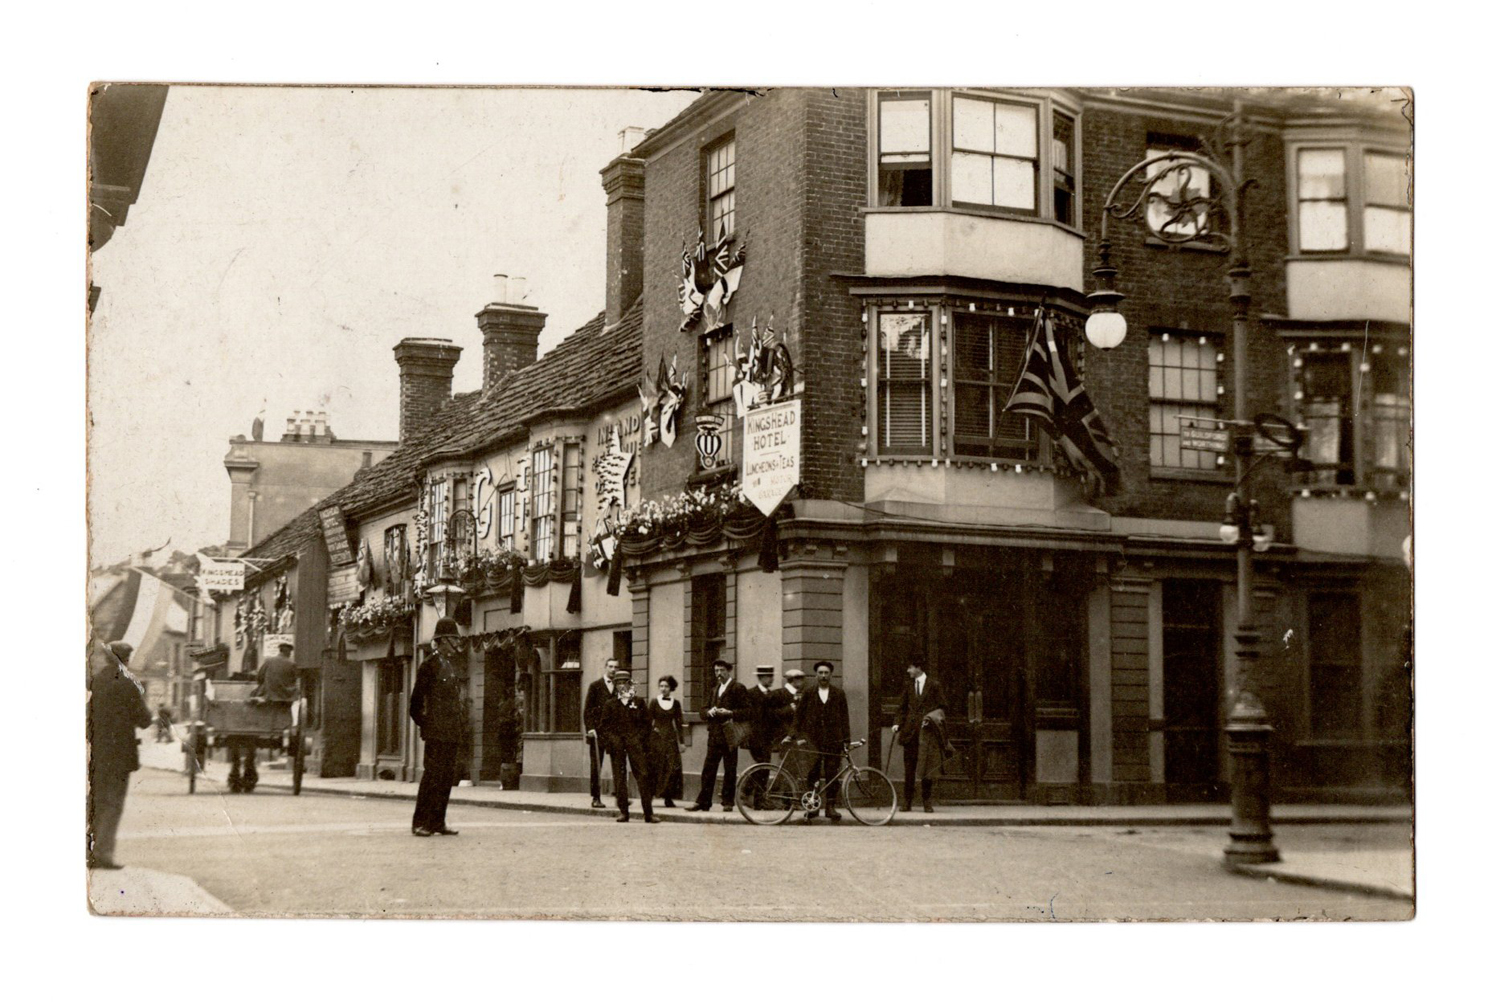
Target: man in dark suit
116, 710
727, 701
600, 691
437, 708
623, 724
823, 719
765, 732
918, 728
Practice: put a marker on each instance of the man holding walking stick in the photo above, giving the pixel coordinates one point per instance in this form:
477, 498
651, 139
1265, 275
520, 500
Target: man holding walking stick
600, 692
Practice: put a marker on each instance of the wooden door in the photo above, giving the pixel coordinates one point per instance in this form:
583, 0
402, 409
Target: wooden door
1192, 640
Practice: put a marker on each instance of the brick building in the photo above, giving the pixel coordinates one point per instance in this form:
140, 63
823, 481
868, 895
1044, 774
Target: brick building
902, 241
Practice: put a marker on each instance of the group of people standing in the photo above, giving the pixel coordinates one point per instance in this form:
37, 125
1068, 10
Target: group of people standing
647, 739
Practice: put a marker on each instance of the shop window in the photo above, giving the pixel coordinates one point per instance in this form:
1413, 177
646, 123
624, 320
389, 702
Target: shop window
1334, 688
987, 351
1352, 199
564, 696
572, 496
720, 189
709, 623
716, 375
994, 153
904, 399
1183, 386
904, 129
543, 500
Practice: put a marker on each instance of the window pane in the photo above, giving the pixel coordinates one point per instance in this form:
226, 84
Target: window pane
1015, 130
973, 124
971, 178
1320, 174
904, 416
1172, 384
904, 346
1387, 230
1322, 227
972, 347
1015, 184
1154, 382
1385, 180
973, 420
904, 125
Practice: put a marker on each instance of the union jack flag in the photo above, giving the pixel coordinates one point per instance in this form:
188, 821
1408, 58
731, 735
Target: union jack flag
1050, 391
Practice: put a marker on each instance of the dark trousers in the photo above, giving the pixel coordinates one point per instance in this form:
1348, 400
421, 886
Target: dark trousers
597, 753
825, 767
439, 763
760, 752
909, 764
242, 772
718, 750
633, 754
106, 805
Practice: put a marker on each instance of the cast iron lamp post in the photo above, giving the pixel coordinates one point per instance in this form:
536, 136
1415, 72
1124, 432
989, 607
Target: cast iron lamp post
1176, 211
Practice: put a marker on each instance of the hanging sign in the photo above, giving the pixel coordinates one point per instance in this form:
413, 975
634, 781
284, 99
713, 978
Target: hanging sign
222, 576
336, 536
710, 440
772, 454
1210, 439
343, 586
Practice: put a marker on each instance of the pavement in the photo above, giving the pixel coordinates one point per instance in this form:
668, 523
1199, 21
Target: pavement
1369, 870
144, 892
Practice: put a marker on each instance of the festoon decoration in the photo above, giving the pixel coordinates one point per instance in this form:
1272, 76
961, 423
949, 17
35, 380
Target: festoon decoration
763, 370
710, 276
660, 406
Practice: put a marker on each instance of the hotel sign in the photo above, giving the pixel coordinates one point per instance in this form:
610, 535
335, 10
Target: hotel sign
773, 453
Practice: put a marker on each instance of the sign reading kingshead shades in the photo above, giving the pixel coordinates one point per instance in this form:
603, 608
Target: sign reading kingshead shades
773, 453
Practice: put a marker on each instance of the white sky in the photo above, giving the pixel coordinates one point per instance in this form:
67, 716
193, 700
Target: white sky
287, 238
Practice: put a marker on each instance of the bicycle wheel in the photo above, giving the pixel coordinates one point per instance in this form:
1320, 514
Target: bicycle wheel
766, 795
869, 796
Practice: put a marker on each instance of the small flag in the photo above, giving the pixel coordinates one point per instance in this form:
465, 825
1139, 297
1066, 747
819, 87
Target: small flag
1049, 390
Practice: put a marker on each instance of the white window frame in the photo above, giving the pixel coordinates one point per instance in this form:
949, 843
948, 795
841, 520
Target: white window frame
1046, 105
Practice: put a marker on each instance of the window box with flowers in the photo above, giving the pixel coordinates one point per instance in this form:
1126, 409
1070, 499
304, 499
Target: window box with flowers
374, 619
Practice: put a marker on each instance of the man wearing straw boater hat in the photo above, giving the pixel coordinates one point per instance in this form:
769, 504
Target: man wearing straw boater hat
437, 708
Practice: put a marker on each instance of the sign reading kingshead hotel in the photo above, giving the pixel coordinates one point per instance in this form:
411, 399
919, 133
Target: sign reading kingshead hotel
773, 453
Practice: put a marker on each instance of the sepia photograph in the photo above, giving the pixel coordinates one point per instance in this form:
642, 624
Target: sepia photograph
836, 504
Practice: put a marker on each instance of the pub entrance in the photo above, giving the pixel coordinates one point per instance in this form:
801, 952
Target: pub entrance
1005, 640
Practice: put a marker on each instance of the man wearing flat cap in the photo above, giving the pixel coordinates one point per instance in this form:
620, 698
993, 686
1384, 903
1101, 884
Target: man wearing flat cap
437, 708
622, 728
116, 709
728, 702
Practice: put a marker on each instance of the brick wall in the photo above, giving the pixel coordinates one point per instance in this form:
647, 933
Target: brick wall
1184, 289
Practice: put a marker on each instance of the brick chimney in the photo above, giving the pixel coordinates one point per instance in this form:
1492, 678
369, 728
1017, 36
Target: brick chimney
510, 328
624, 181
426, 379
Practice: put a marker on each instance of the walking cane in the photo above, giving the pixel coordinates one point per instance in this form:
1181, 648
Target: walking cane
889, 750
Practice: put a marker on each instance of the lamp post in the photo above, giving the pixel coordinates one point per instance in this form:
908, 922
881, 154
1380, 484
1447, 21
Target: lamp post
1179, 205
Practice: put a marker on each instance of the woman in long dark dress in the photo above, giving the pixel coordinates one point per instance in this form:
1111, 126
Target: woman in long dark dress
664, 746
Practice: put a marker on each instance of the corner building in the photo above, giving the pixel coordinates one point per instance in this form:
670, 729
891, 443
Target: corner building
898, 243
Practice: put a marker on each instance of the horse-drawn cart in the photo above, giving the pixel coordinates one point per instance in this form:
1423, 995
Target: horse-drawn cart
228, 714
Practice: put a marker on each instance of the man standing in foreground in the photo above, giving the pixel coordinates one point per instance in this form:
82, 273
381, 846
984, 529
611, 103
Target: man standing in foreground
437, 708
600, 692
622, 730
764, 732
823, 718
727, 702
918, 728
116, 709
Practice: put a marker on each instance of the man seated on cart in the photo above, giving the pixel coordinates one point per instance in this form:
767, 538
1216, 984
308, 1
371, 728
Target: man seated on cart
276, 682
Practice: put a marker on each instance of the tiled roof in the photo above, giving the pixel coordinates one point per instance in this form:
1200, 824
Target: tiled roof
587, 368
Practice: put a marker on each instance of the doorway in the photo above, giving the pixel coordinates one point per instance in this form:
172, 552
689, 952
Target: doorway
1191, 643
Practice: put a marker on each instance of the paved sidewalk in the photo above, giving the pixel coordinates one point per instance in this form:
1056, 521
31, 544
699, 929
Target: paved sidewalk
144, 892
1379, 872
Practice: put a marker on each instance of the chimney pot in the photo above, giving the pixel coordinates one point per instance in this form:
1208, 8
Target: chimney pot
502, 288
517, 291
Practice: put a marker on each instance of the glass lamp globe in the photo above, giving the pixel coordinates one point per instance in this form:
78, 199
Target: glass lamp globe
1230, 534
1105, 329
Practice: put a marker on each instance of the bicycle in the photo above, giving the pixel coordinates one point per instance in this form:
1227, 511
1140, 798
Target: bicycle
768, 794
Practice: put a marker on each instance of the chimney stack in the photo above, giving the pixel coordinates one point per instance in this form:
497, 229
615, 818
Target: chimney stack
426, 380
624, 181
510, 328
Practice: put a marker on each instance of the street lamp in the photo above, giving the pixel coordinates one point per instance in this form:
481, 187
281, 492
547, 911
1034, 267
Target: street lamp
1177, 207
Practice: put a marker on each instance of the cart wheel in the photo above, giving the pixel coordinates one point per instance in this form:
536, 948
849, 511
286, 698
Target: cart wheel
870, 796
297, 761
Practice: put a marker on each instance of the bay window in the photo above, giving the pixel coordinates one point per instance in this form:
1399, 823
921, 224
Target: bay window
572, 496
543, 502
975, 150
508, 518
1351, 198
1355, 404
987, 353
